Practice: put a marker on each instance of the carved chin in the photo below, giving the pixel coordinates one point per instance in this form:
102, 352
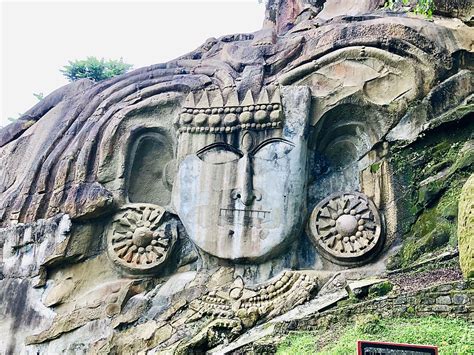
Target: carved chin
232, 233
237, 242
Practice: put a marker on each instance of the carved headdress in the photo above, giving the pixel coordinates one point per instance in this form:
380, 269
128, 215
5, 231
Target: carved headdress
215, 114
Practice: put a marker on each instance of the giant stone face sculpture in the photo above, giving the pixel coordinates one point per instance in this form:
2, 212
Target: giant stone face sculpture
180, 207
240, 189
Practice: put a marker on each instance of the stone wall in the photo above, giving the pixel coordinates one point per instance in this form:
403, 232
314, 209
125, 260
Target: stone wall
454, 299
449, 299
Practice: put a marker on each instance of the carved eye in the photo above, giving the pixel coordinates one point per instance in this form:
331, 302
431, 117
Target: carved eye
219, 154
273, 149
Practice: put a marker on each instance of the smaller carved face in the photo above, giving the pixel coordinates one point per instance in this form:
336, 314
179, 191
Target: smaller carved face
241, 195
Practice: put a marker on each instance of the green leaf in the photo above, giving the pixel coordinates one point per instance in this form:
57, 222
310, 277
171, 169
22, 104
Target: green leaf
94, 69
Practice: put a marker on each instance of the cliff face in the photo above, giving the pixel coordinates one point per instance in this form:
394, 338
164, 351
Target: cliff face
180, 205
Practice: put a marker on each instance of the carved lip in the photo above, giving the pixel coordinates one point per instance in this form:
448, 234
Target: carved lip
247, 216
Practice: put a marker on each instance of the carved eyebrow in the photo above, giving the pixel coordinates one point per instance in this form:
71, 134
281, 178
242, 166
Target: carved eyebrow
268, 141
223, 145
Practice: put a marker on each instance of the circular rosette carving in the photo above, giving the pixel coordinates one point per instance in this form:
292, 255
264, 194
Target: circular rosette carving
137, 240
347, 228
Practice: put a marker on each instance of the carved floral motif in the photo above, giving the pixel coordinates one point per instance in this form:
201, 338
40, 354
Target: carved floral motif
137, 240
250, 304
346, 227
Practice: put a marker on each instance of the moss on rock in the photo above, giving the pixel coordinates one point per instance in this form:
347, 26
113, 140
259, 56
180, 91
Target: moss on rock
380, 289
430, 174
434, 229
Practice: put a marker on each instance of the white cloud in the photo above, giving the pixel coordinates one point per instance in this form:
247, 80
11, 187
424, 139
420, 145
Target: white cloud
38, 38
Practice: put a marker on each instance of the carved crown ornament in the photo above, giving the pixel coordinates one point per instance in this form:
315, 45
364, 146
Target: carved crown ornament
216, 113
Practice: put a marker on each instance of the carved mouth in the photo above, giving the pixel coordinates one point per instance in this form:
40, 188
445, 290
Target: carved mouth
245, 216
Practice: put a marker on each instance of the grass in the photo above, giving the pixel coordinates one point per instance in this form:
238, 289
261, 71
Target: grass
298, 343
452, 336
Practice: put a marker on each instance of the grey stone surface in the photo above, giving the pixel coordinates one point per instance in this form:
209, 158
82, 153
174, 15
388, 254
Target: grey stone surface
460, 299
401, 300
170, 209
443, 300
241, 215
440, 308
445, 288
361, 286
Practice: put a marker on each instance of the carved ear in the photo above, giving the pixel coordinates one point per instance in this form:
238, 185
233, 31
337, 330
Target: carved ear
169, 174
149, 156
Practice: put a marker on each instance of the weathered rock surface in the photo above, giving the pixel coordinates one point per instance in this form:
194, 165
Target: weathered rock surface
264, 181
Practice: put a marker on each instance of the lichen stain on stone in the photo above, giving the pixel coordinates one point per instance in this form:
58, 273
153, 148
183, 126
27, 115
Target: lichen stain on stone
16, 306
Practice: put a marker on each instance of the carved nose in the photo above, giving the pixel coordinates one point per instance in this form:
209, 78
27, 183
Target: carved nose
247, 197
245, 192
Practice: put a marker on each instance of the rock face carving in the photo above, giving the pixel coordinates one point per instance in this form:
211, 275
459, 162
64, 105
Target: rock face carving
173, 208
255, 203
235, 307
150, 158
137, 241
347, 227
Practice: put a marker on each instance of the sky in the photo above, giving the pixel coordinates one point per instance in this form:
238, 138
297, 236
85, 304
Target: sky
38, 38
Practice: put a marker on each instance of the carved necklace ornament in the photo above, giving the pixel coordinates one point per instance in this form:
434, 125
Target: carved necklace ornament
224, 313
346, 227
249, 305
137, 240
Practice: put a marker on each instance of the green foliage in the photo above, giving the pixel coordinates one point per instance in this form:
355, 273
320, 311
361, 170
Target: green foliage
421, 7
352, 299
94, 69
424, 7
430, 174
370, 324
434, 229
298, 343
380, 289
375, 167
452, 336
39, 96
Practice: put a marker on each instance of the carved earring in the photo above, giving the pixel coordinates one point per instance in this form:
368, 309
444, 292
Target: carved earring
346, 228
137, 239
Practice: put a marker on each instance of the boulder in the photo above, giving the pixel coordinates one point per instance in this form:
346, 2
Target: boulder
466, 228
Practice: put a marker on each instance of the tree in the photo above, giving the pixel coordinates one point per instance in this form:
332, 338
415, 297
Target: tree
39, 96
94, 69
